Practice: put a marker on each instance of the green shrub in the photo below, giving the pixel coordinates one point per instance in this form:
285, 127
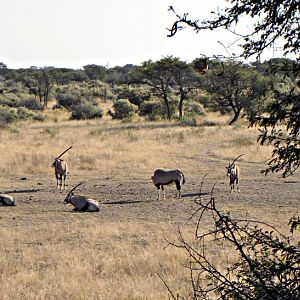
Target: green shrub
7, 115
152, 109
10, 115
86, 110
123, 109
192, 107
135, 95
188, 121
28, 103
68, 99
31, 104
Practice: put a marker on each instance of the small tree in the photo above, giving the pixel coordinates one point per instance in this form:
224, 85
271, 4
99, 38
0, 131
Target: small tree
240, 88
157, 76
39, 82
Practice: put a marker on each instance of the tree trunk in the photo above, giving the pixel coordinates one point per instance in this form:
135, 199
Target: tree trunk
180, 108
167, 107
235, 117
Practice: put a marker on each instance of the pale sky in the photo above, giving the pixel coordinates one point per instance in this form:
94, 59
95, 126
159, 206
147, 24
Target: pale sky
74, 33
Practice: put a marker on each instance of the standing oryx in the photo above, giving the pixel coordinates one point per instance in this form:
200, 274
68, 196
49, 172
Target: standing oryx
233, 171
82, 203
61, 170
163, 177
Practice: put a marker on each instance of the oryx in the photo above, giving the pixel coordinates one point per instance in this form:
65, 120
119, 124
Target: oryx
82, 203
165, 177
7, 200
233, 171
61, 170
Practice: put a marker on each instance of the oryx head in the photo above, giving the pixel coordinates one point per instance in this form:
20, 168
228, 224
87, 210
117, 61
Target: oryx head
54, 164
71, 193
59, 156
231, 166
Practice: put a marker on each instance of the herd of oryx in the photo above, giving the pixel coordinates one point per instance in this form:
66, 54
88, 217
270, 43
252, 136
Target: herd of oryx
160, 178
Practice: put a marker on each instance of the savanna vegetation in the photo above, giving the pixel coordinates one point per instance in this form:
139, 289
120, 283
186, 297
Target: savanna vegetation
267, 265
124, 122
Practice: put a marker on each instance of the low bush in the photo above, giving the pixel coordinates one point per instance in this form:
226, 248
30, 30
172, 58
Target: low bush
123, 109
28, 103
10, 115
68, 99
86, 110
192, 107
152, 109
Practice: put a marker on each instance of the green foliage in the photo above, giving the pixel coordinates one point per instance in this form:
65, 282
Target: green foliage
152, 109
80, 101
188, 121
70, 95
95, 72
123, 109
285, 110
240, 88
38, 81
135, 95
167, 78
28, 103
10, 115
194, 108
278, 20
86, 110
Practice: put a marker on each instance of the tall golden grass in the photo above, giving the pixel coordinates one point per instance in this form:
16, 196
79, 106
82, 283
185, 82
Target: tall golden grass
94, 261
105, 145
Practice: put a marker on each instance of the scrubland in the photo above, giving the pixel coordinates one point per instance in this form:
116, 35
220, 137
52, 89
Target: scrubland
47, 251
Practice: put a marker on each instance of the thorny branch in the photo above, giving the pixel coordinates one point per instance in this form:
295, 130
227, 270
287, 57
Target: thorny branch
267, 267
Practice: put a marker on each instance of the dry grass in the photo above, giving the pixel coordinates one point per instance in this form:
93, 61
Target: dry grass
50, 253
104, 145
97, 261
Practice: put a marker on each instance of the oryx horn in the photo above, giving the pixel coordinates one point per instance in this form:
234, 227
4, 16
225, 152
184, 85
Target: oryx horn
64, 152
80, 183
236, 159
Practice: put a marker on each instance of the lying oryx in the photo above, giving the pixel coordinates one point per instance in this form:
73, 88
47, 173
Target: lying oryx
7, 200
82, 203
61, 170
163, 177
233, 171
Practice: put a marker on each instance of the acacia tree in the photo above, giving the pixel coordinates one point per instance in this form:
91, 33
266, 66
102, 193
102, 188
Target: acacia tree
38, 81
185, 79
158, 77
274, 20
240, 88
169, 76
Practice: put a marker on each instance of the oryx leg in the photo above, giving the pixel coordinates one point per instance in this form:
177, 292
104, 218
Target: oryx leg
57, 179
158, 190
237, 185
164, 191
64, 179
178, 186
60, 182
232, 189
